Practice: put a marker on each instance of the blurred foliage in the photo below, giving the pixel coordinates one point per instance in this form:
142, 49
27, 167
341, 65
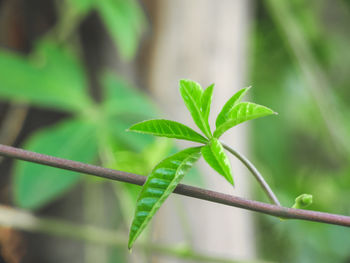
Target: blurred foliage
124, 21
52, 76
35, 185
296, 150
51, 85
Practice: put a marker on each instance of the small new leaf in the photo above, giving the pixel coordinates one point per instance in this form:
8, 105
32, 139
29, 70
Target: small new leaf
216, 157
192, 93
159, 185
242, 112
302, 201
167, 128
233, 101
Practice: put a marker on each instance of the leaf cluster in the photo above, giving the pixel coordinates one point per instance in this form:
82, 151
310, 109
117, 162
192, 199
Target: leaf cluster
168, 173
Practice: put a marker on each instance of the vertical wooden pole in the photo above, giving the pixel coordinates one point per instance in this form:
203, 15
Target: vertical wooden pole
206, 41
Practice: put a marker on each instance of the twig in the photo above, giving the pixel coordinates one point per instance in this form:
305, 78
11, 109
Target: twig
182, 189
255, 172
10, 217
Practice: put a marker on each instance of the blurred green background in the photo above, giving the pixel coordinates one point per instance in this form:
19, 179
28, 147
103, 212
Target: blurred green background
300, 53
59, 96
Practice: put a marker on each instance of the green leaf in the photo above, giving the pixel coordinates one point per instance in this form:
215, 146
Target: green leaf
167, 128
242, 112
51, 77
233, 101
216, 157
121, 98
124, 21
206, 102
158, 186
35, 185
191, 93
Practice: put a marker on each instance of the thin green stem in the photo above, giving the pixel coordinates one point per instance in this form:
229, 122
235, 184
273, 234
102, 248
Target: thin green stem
15, 218
255, 172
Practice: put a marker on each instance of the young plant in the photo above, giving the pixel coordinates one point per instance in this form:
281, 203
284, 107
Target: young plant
168, 173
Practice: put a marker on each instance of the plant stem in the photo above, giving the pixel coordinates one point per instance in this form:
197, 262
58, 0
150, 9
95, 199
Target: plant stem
255, 172
182, 189
15, 218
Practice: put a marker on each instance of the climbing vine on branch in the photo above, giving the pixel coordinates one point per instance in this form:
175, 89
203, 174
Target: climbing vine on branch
167, 174
165, 177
